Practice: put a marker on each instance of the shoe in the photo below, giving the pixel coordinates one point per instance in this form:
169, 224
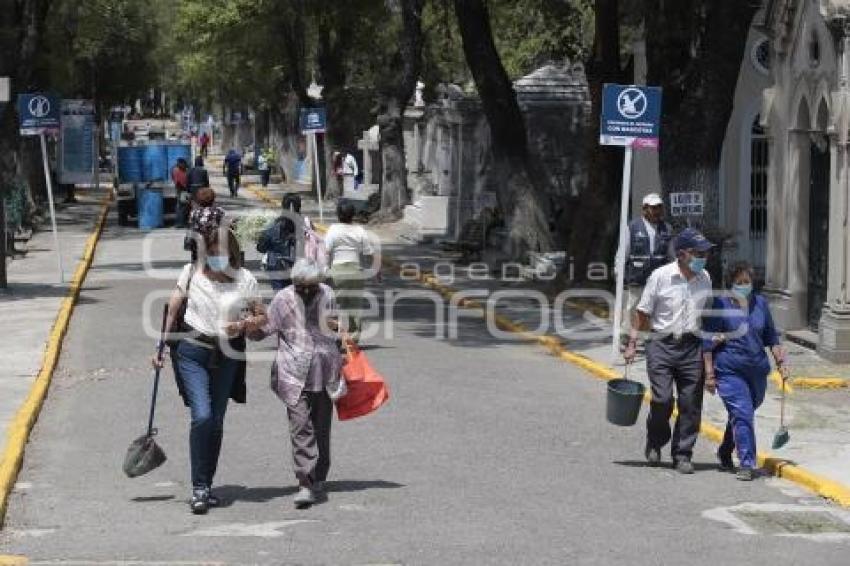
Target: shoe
726, 464
653, 456
200, 502
304, 498
684, 466
746, 474
212, 500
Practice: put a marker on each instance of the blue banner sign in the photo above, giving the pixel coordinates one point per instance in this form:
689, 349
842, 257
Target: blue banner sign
38, 113
313, 120
631, 116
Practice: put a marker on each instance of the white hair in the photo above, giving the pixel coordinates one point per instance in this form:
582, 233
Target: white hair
307, 272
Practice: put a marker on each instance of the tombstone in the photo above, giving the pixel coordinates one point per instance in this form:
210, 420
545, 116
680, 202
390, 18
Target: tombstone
370, 146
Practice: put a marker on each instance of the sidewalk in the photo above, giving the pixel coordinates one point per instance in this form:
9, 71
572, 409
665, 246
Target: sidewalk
818, 419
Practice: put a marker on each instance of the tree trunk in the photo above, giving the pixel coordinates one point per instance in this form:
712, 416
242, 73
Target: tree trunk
694, 52
522, 195
594, 230
394, 190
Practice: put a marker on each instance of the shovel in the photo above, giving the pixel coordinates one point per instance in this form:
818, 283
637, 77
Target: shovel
782, 435
144, 454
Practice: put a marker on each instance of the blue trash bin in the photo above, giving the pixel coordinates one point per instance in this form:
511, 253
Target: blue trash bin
150, 204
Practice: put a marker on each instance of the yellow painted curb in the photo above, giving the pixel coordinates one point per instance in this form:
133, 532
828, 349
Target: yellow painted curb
9, 560
780, 468
19, 429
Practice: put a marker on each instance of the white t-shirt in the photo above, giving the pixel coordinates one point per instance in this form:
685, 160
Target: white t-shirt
674, 304
212, 304
347, 243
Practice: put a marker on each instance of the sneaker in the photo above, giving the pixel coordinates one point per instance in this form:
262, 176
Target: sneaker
212, 500
726, 464
653, 456
684, 466
200, 501
304, 498
746, 474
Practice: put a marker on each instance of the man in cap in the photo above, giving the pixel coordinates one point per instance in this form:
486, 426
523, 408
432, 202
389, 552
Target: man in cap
649, 248
671, 308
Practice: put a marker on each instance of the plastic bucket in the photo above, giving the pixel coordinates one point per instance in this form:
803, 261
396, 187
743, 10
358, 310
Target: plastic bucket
625, 398
150, 203
130, 165
154, 162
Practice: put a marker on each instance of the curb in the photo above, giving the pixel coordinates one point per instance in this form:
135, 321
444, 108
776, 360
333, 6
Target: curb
780, 468
21, 426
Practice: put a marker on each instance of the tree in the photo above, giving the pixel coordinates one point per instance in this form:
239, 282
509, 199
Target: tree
592, 224
521, 194
694, 52
395, 96
21, 30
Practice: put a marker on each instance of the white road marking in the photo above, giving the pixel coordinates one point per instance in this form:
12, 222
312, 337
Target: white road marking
165, 484
34, 533
264, 530
23, 485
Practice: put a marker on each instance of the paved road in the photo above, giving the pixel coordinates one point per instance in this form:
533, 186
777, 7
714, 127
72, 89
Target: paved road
488, 453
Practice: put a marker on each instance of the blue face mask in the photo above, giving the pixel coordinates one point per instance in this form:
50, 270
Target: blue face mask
218, 262
742, 290
697, 264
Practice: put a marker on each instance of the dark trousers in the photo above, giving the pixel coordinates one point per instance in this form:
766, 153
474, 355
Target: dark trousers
678, 363
207, 384
310, 431
233, 183
265, 176
181, 212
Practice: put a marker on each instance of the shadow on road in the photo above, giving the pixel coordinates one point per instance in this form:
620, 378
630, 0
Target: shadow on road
361, 485
698, 466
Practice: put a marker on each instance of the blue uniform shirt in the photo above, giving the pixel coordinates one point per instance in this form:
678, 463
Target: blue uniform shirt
743, 352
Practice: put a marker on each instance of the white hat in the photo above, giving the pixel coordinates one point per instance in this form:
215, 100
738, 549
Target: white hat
652, 199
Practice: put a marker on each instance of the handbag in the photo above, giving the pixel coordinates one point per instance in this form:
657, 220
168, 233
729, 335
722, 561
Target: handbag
367, 390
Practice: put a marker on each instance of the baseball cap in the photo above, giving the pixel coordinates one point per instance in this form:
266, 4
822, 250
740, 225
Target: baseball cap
653, 199
690, 239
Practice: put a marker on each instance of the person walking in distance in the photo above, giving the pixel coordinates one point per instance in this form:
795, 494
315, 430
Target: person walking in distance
233, 171
180, 177
671, 307
648, 249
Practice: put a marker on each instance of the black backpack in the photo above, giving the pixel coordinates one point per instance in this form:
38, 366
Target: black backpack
282, 252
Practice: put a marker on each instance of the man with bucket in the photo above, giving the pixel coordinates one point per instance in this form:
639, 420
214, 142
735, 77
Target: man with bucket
671, 307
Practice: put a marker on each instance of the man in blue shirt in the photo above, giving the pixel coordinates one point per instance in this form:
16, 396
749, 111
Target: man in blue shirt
233, 170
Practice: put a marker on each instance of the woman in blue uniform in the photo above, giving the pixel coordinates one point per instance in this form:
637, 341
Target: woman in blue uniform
738, 332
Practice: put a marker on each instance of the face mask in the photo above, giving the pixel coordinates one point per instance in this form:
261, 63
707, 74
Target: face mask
742, 290
697, 264
218, 262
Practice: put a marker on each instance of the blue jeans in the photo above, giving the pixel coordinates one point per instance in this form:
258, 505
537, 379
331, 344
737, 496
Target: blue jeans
207, 391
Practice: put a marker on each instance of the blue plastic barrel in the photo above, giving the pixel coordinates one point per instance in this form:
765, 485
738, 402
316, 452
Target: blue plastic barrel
130, 165
150, 204
176, 151
154, 162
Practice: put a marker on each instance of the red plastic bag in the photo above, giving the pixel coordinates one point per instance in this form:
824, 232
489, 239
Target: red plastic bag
366, 387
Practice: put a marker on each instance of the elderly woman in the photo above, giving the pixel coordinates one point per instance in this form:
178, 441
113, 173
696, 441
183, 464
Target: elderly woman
738, 331
208, 357
306, 371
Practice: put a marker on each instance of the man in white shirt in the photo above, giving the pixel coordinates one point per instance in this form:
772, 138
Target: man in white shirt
671, 309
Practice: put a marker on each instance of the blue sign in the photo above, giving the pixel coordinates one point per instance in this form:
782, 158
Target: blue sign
38, 113
313, 120
631, 116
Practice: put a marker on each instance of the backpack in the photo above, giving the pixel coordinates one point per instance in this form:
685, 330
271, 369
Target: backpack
282, 252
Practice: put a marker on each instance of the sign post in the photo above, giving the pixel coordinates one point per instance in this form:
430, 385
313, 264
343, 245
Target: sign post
631, 117
314, 121
39, 115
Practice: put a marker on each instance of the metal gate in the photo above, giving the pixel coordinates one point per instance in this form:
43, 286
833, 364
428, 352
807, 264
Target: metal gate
759, 165
818, 230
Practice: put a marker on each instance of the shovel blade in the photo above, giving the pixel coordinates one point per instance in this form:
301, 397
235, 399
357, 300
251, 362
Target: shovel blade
781, 438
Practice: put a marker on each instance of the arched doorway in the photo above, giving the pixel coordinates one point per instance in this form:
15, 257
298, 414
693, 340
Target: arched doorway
818, 253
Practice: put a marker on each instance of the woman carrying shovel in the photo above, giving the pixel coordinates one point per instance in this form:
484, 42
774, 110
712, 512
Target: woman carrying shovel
737, 332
